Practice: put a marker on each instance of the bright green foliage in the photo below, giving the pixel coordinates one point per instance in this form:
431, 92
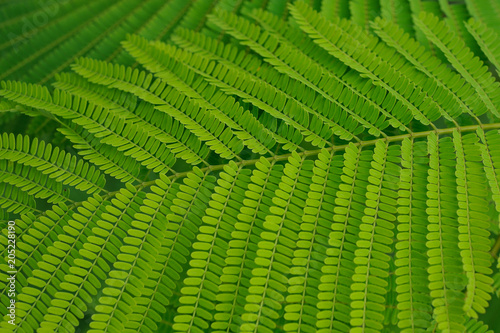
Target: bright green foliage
463, 60
31, 181
414, 301
472, 217
251, 166
459, 95
487, 39
50, 161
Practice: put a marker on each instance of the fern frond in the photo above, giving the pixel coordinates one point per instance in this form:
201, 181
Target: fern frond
136, 261
456, 16
206, 266
35, 233
490, 154
445, 269
67, 233
90, 35
273, 261
417, 7
241, 251
301, 309
165, 20
125, 105
197, 15
344, 47
43, 253
496, 281
255, 71
463, 60
340, 79
375, 238
166, 99
13, 21
398, 12
261, 93
278, 8
363, 11
334, 297
183, 220
487, 39
292, 63
231, 6
128, 138
106, 158
58, 165
96, 253
414, 302
4, 218
49, 38
16, 201
296, 121
122, 103
109, 47
472, 217
244, 125
31, 181
486, 12
270, 166
395, 62
457, 92
474, 326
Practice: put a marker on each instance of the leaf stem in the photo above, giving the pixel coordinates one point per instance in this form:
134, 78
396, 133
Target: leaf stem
306, 153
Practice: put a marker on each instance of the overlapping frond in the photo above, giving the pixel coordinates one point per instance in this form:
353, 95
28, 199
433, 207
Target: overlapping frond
334, 297
40, 233
340, 79
128, 137
475, 326
472, 213
487, 39
241, 252
166, 99
489, 153
445, 278
126, 106
31, 181
486, 11
184, 215
456, 91
344, 46
312, 243
106, 157
336, 8
137, 257
46, 273
369, 286
293, 63
273, 260
364, 11
462, 59
56, 164
200, 287
414, 302
247, 78
243, 124
398, 12
16, 201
